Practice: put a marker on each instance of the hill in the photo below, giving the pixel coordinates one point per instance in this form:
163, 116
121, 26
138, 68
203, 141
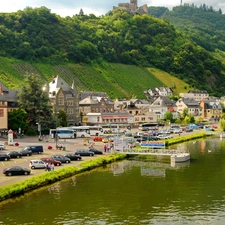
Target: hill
110, 53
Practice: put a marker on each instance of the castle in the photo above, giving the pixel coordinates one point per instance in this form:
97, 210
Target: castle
132, 7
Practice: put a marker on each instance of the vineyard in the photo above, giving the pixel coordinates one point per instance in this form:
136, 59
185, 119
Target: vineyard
66, 74
26, 68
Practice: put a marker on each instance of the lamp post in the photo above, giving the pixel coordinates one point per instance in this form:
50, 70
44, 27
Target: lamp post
39, 129
56, 133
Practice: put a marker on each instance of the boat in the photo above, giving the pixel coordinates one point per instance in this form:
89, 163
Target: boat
222, 135
180, 157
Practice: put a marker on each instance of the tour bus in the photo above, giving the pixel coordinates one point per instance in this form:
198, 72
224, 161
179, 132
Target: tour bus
81, 131
62, 133
115, 128
96, 130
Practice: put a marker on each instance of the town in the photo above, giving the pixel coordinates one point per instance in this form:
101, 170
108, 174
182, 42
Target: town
96, 108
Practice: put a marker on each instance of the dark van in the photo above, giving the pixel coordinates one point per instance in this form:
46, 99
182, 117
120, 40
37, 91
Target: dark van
35, 149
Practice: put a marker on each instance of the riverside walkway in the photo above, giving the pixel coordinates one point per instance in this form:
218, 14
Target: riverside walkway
156, 152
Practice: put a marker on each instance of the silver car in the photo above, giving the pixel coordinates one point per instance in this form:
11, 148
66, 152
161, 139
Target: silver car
37, 164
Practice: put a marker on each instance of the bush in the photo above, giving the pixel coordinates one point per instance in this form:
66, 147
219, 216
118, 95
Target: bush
17, 144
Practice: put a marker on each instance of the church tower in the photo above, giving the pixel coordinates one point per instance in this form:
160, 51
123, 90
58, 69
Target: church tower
134, 2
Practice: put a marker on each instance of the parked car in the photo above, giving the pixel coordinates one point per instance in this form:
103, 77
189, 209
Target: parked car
14, 154
25, 152
187, 129
164, 136
96, 151
51, 161
2, 146
37, 164
147, 138
177, 131
72, 156
4, 157
35, 148
97, 138
61, 158
16, 170
85, 152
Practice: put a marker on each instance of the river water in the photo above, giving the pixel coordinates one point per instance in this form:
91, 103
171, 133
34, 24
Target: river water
144, 190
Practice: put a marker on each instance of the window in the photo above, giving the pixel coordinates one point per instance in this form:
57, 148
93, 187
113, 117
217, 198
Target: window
1, 113
70, 111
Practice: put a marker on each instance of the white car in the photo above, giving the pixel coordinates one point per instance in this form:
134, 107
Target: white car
164, 136
37, 164
177, 131
2, 146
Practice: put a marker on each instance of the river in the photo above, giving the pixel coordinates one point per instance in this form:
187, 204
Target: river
143, 190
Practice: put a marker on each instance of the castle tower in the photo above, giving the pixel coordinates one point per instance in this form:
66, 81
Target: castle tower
134, 2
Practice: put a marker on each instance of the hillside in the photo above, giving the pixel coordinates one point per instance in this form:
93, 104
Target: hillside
110, 53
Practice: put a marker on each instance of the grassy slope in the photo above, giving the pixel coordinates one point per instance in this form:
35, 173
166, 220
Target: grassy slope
178, 85
117, 80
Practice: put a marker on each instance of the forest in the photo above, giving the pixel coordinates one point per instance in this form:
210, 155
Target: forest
36, 35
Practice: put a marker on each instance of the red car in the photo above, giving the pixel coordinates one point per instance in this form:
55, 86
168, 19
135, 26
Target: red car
97, 138
51, 161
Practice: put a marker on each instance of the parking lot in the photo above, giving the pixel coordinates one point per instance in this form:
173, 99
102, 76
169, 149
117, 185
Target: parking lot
70, 146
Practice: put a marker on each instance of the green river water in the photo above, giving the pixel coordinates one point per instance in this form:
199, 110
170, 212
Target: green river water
144, 190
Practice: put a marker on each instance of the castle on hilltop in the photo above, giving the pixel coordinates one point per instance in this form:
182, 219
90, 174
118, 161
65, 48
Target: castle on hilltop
132, 7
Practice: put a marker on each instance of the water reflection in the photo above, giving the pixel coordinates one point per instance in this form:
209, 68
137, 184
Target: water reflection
144, 190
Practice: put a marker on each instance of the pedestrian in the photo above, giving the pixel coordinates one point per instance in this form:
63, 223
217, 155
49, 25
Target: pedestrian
105, 147
52, 167
46, 168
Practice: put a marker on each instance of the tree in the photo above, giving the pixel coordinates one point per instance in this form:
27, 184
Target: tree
17, 119
35, 102
61, 117
168, 116
222, 124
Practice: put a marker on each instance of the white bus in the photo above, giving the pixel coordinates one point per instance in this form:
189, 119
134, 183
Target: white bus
114, 128
62, 133
96, 130
81, 131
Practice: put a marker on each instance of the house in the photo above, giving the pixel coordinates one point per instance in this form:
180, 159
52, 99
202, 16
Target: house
158, 91
196, 95
211, 110
192, 105
8, 102
64, 97
161, 105
95, 104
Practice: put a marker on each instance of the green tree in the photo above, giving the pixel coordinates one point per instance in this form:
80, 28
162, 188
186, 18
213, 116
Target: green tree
168, 116
35, 102
222, 124
17, 119
62, 119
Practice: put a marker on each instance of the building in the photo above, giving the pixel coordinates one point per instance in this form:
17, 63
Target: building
132, 7
95, 104
192, 105
211, 110
196, 95
8, 102
161, 105
158, 91
63, 97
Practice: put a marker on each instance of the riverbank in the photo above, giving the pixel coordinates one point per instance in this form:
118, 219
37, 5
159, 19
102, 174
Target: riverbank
39, 180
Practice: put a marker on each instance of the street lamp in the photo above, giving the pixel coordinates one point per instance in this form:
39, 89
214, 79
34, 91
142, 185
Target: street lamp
39, 129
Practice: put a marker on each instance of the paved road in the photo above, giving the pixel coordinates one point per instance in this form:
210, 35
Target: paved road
70, 144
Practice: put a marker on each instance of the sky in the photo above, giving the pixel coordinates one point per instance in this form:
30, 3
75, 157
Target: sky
97, 7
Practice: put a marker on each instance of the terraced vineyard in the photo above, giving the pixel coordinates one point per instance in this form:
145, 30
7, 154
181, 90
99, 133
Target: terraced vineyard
66, 74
